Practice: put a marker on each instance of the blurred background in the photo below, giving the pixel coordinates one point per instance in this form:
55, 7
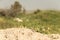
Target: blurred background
40, 15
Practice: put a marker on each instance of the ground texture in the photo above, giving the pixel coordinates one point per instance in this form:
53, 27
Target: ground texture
25, 34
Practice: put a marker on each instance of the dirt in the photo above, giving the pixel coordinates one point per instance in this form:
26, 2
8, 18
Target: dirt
25, 34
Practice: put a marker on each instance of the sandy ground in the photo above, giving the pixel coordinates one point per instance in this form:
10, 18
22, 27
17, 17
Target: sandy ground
25, 34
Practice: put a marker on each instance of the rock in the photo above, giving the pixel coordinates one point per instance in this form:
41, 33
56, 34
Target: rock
18, 20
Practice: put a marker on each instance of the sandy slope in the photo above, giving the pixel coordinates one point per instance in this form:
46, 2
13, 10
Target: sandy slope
25, 34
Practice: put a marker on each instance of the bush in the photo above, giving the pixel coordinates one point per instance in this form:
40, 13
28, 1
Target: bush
37, 11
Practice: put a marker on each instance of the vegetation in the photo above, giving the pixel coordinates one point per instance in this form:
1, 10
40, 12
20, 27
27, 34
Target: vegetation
13, 11
44, 21
15, 8
47, 21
